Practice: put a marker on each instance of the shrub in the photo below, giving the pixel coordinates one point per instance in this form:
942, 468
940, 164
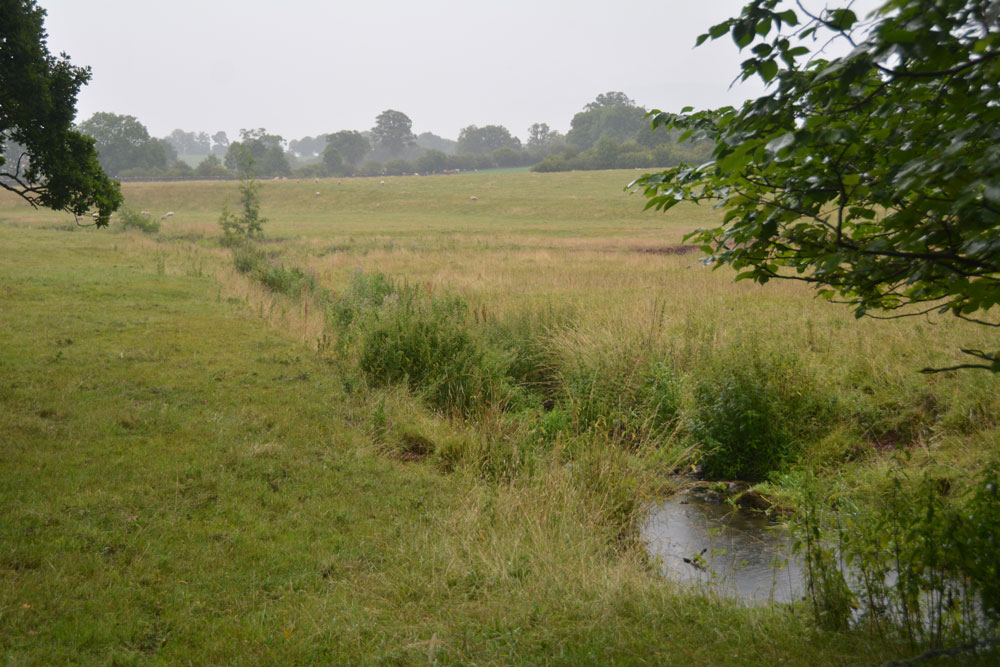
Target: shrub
425, 343
248, 258
285, 281
366, 292
921, 558
625, 399
132, 219
248, 225
747, 408
397, 167
370, 168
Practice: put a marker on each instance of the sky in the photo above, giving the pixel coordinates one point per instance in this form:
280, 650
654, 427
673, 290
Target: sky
305, 67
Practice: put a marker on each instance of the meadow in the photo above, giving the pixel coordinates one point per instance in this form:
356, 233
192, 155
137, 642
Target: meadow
209, 463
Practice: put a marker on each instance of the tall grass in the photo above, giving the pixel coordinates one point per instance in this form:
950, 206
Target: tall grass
531, 367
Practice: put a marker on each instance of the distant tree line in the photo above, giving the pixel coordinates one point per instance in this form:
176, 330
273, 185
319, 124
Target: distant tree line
611, 132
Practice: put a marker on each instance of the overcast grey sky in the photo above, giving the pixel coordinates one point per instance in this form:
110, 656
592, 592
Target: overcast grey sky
304, 67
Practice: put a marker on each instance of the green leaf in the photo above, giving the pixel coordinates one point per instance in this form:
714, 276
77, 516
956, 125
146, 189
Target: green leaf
842, 19
782, 141
788, 16
768, 69
719, 30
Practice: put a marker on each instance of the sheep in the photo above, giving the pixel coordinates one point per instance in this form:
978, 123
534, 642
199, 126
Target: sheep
146, 213
317, 193
473, 198
168, 214
381, 182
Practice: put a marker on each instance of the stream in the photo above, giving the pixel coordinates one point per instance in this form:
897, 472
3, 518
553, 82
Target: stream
717, 546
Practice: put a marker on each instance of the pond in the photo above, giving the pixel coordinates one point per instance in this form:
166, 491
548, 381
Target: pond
716, 546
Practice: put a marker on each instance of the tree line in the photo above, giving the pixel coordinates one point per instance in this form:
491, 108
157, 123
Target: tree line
612, 132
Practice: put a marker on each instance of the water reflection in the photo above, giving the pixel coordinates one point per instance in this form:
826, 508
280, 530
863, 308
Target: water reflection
712, 544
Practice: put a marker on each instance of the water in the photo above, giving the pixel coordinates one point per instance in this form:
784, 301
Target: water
716, 546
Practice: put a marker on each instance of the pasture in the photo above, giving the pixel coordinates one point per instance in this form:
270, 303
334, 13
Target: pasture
195, 469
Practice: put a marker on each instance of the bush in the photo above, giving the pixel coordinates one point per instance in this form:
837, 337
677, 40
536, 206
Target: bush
132, 219
425, 343
370, 168
397, 167
921, 558
747, 408
624, 399
248, 258
285, 281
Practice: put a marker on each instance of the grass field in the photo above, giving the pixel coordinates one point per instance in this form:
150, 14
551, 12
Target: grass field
194, 469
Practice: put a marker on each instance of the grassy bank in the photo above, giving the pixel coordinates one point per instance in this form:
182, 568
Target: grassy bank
199, 467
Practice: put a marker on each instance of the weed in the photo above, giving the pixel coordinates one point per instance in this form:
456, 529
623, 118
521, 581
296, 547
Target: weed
133, 219
747, 408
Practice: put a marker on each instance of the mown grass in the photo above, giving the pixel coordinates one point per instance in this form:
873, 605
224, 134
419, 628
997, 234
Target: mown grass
186, 479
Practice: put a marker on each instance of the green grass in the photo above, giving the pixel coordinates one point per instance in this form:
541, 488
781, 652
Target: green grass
184, 479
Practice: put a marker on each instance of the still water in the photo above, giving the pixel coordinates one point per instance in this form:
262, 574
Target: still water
716, 546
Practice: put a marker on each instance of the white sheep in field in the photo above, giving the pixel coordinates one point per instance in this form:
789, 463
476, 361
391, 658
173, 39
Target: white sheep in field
473, 198
317, 193
146, 213
168, 214
381, 182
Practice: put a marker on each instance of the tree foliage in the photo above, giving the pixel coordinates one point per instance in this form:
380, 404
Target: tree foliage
248, 225
486, 139
616, 116
351, 145
123, 142
258, 152
874, 176
53, 165
189, 143
614, 98
393, 132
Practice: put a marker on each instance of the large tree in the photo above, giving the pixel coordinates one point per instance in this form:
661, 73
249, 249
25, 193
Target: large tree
258, 154
393, 132
874, 176
486, 139
612, 115
123, 143
351, 145
42, 158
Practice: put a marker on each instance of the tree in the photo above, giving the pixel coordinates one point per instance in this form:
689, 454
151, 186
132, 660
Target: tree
393, 132
541, 136
259, 152
123, 142
332, 160
211, 168
872, 176
483, 140
613, 98
220, 143
42, 158
432, 141
189, 143
507, 157
248, 226
351, 145
431, 162
612, 115
308, 146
